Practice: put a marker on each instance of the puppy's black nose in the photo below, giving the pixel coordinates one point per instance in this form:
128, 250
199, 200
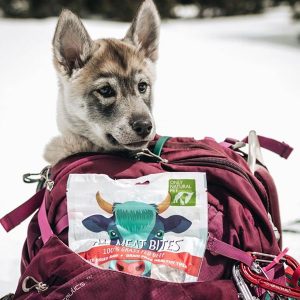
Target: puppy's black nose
142, 127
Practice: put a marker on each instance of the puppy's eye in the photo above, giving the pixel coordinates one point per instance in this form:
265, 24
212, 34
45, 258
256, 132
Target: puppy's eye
107, 91
142, 86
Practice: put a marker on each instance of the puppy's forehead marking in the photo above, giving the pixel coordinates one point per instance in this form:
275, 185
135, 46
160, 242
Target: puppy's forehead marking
119, 54
118, 58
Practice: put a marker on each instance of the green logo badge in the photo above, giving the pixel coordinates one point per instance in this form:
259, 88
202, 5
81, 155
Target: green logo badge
183, 192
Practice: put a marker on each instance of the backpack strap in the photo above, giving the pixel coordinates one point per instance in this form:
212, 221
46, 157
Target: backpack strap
62, 224
45, 228
22, 212
216, 246
281, 148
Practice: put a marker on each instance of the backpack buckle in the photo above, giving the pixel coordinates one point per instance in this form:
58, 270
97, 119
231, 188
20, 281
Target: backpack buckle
43, 178
36, 177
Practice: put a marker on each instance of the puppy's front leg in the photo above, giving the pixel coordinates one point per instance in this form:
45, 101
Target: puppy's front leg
61, 147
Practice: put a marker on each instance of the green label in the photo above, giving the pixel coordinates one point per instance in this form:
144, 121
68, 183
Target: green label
183, 192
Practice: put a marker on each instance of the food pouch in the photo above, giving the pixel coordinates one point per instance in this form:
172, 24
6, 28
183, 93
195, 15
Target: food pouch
153, 226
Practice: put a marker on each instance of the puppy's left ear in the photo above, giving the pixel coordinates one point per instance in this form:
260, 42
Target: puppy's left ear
144, 30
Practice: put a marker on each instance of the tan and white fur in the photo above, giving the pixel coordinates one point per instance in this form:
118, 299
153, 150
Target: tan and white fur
105, 87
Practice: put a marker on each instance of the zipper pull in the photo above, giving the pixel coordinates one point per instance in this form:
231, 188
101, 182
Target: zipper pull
30, 283
49, 185
46, 175
148, 154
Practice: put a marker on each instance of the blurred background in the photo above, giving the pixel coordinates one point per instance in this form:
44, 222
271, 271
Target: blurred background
124, 10
225, 67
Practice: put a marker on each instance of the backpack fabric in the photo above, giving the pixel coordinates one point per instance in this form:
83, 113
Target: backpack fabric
239, 206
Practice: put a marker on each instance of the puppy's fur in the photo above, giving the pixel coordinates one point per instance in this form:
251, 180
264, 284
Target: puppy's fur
105, 86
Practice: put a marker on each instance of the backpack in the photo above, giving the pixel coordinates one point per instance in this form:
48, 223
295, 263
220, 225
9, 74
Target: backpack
243, 218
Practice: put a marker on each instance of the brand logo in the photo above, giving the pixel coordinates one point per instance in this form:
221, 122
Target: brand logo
76, 288
183, 192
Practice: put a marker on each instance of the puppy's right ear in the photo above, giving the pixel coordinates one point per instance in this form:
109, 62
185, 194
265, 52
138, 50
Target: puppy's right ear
72, 44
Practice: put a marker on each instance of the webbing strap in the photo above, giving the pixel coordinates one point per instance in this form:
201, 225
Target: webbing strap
22, 212
45, 228
160, 144
276, 260
281, 148
62, 224
216, 246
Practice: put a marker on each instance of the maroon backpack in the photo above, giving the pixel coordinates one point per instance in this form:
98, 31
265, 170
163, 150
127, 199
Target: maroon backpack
239, 208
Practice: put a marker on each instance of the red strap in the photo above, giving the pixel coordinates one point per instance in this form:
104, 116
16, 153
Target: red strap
219, 247
296, 277
280, 148
22, 212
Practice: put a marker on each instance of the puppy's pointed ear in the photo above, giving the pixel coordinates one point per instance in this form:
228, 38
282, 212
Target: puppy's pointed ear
144, 30
72, 44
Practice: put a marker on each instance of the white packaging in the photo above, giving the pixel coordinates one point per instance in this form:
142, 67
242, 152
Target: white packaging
153, 226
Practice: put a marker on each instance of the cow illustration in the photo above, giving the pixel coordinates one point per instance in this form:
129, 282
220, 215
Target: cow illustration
135, 221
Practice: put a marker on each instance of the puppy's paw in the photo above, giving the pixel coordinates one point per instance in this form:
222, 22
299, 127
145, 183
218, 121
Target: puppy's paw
61, 147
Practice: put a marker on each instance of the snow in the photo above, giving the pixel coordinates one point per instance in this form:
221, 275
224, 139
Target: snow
215, 77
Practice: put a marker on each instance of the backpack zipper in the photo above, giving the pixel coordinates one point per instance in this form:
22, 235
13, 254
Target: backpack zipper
216, 162
145, 152
204, 161
227, 165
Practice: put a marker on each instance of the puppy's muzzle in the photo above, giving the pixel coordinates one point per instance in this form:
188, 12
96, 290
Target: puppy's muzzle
142, 127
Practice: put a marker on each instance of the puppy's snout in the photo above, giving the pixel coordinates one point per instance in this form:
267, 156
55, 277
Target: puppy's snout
142, 127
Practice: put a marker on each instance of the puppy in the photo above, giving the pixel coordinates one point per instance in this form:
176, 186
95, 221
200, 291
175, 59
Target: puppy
105, 87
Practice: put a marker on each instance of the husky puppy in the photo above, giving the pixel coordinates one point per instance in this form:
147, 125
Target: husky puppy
105, 86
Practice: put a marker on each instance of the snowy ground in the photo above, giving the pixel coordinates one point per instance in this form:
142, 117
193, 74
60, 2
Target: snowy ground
219, 78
